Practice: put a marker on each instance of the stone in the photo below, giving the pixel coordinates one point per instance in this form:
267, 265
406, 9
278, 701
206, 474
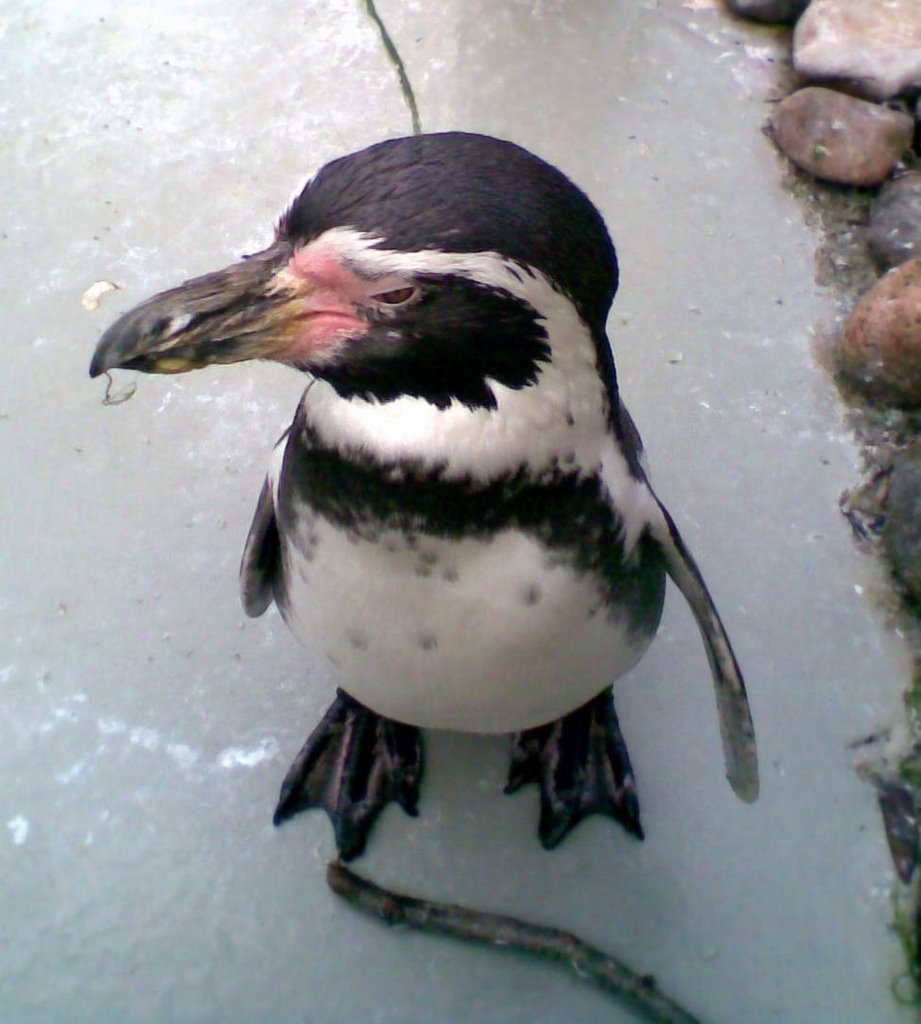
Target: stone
880, 347
872, 45
840, 138
771, 11
894, 233
902, 532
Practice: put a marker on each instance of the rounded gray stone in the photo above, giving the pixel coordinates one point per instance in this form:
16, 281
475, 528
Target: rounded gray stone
771, 11
902, 532
894, 233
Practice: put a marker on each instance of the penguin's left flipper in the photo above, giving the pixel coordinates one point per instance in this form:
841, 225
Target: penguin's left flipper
736, 726
260, 567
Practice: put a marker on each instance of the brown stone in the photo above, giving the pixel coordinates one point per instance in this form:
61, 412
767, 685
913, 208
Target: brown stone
839, 138
872, 45
880, 346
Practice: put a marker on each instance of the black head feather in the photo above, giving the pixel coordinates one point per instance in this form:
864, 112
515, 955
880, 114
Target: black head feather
459, 192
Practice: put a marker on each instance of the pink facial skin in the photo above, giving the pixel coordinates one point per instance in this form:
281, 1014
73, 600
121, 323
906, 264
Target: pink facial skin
327, 297
331, 303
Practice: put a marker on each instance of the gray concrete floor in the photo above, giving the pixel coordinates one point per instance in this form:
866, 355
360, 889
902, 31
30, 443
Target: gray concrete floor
146, 724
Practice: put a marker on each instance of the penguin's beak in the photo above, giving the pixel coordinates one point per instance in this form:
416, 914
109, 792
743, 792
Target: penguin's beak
248, 310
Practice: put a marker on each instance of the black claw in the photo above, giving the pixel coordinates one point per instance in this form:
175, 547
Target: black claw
404, 745
582, 767
353, 764
525, 763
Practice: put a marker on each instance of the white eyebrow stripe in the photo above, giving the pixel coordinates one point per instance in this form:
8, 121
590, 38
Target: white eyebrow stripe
564, 411
491, 269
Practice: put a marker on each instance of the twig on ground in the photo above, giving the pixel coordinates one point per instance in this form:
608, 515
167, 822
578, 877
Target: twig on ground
393, 54
588, 962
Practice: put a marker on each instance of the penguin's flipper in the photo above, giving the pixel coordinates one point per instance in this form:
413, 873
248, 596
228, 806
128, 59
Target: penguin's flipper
736, 727
261, 566
261, 563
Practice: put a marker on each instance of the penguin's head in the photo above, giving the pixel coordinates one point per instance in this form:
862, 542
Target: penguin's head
434, 266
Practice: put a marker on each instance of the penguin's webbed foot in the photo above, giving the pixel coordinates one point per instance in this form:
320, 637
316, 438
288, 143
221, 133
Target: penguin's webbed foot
353, 764
581, 764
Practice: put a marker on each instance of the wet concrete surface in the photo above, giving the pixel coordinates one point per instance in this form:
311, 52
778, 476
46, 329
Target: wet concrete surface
147, 724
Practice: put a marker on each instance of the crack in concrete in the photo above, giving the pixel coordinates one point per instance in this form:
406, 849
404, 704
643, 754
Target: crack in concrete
409, 97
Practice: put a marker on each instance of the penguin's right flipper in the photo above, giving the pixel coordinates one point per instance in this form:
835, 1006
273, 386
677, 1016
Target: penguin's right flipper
736, 726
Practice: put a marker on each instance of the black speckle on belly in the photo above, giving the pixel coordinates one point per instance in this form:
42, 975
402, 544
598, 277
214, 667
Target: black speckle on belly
450, 574
357, 638
426, 562
308, 544
531, 594
427, 641
567, 511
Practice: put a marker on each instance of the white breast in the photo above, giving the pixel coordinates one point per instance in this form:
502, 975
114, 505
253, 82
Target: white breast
563, 415
470, 635
476, 635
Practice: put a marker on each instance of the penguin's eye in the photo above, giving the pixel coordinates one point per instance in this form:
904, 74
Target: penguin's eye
397, 297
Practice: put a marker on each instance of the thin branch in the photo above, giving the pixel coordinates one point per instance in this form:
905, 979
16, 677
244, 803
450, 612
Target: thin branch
396, 60
509, 933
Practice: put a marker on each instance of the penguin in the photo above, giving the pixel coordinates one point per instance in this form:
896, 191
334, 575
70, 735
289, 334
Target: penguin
460, 519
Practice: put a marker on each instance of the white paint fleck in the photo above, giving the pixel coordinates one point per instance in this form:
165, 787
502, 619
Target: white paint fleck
182, 754
19, 829
144, 737
58, 715
237, 757
7, 673
89, 300
67, 776
110, 726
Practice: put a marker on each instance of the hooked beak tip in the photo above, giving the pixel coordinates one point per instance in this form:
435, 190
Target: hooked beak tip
225, 316
110, 350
